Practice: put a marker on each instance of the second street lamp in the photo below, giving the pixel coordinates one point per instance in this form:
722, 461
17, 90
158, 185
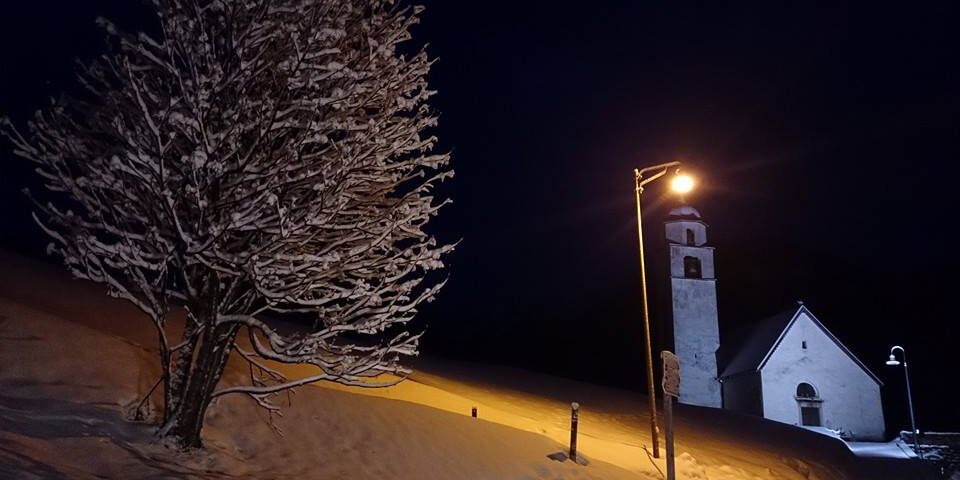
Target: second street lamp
893, 362
681, 184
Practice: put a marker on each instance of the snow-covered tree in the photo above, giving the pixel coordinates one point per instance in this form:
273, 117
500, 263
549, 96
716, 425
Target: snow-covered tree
252, 160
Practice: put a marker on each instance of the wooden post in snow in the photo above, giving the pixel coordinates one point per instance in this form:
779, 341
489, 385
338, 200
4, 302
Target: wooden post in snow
668, 420
574, 418
670, 381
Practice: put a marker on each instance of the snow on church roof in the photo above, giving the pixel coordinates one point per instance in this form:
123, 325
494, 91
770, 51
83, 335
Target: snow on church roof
765, 338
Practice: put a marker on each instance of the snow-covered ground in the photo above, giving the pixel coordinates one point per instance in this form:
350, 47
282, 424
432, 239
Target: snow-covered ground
74, 362
892, 449
895, 448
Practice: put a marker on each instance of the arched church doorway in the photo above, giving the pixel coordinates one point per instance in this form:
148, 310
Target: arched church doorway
809, 402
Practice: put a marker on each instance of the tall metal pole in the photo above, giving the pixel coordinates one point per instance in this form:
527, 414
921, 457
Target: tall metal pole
651, 392
913, 422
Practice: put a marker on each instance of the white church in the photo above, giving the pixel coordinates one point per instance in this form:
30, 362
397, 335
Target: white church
790, 369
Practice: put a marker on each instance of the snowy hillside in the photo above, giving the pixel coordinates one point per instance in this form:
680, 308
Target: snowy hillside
73, 363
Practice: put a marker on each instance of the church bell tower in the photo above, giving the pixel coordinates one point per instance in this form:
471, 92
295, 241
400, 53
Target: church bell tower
693, 287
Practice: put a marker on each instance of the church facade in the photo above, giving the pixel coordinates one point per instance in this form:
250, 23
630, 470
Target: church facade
790, 368
793, 370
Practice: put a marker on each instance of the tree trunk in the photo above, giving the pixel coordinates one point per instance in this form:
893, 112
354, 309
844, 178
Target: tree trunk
200, 378
181, 370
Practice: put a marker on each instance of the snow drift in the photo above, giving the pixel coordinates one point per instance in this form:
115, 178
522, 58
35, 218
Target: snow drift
74, 363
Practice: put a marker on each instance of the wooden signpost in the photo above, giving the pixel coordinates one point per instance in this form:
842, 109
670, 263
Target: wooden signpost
671, 389
574, 420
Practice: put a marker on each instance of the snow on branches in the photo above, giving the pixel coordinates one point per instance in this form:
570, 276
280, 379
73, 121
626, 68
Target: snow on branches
253, 159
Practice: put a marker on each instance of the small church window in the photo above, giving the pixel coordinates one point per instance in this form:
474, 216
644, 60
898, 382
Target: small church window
691, 238
691, 267
805, 390
803, 344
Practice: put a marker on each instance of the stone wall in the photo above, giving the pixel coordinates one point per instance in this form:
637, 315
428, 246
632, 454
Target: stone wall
940, 448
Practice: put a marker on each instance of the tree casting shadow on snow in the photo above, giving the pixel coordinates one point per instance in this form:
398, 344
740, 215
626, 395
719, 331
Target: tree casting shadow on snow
49, 419
563, 457
13, 464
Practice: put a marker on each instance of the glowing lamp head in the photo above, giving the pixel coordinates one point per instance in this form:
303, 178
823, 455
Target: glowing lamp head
893, 361
682, 183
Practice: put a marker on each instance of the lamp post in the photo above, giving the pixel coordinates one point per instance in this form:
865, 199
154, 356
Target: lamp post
680, 184
893, 362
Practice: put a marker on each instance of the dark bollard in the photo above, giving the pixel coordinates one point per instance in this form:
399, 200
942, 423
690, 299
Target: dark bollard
473, 412
574, 419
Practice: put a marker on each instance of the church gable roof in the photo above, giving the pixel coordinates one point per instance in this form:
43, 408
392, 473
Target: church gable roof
758, 343
766, 337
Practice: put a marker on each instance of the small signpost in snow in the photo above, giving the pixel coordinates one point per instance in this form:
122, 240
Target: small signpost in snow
671, 389
574, 419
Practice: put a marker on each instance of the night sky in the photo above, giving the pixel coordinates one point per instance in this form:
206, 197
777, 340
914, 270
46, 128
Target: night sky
825, 137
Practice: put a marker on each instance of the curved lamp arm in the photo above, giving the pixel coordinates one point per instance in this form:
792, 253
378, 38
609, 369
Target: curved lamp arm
903, 353
663, 167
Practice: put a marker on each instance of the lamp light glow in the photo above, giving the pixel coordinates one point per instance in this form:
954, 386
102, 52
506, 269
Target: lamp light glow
682, 183
893, 362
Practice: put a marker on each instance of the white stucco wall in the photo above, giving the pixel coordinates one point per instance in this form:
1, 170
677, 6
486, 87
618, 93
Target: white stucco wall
676, 231
696, 332
678, 252
851, 398
696, 339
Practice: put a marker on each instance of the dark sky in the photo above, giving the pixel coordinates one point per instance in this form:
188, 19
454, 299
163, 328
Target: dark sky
825, 137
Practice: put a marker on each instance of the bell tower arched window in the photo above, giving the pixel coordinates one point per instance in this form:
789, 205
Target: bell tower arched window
691, 238
691, 267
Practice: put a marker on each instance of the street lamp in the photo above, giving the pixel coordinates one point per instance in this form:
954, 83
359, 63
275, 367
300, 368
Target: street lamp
681, 184
893, 362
